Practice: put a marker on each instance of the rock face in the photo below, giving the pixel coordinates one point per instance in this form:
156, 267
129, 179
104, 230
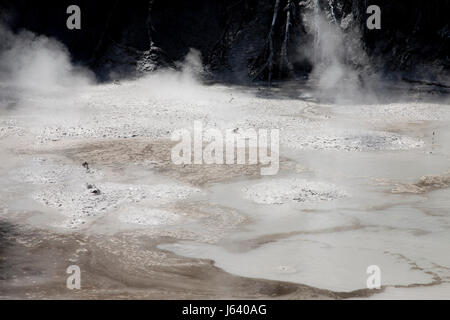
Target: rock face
249, 39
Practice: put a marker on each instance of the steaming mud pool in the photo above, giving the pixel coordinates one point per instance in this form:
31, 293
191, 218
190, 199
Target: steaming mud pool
87, 180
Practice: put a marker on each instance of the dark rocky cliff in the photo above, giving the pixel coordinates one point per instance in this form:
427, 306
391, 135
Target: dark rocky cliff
244, 39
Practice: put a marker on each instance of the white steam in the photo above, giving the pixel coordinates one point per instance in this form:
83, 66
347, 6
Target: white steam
37, 62
340, 65
183, 84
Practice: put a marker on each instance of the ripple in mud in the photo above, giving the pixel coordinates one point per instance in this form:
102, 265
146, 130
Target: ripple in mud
282, 191
416, 111
56, 133
80, 203
425, 184
9, 128
156, 155
44, 171
192, 220
351, 141
148, 217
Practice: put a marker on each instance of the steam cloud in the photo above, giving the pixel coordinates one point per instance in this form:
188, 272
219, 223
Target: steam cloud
31, 63
37, 62
341, 71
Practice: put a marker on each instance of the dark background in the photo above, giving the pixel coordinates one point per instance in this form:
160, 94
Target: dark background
135, 36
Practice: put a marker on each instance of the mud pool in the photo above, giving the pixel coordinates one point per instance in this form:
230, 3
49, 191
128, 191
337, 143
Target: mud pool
359, 185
